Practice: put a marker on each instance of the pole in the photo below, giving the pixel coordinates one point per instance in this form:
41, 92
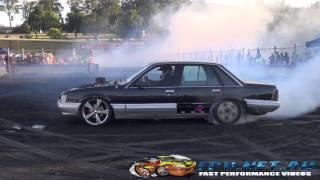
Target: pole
221, 56
43, 59
9, 62
22, 54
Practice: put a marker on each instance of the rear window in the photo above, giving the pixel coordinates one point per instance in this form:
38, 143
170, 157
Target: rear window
225, 78
199, 75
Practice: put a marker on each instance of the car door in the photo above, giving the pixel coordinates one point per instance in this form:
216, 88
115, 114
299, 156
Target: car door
199, 87
151, 94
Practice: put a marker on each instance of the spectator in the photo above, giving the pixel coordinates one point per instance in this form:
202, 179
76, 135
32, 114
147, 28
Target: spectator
239, 58
294, 58
282, 59
13, 63
286, 58
249, 58
7, 63
272, 59
2, 67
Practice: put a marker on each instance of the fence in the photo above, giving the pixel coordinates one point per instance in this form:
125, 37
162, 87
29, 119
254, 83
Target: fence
275, 56
285, 56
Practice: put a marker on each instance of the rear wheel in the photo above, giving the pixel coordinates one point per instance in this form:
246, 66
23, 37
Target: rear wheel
226, 112
96, 112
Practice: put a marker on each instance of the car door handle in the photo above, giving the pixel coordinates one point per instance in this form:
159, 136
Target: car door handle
170, 91
216, 91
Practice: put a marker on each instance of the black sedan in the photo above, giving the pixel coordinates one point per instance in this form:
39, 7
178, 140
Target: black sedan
171, 90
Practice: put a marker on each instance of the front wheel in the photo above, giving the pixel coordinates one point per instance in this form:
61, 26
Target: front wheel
96, 112
226, 112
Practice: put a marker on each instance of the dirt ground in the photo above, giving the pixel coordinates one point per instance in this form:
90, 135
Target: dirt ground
68, 149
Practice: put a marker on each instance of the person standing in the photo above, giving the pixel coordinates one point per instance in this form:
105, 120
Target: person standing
272, 59
7, 60
286, 58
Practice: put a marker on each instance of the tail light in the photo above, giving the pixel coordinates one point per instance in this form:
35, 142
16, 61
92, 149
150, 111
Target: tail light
275, 96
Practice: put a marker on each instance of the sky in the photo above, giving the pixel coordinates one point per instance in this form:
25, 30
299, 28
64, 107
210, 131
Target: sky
295, 3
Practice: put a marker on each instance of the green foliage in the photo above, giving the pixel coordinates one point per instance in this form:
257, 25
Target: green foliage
44, 15
54, 33
35, 19
126, 18
130, 24
49, 20
74, 21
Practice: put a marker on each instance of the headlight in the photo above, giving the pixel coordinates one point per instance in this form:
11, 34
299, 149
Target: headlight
63, 98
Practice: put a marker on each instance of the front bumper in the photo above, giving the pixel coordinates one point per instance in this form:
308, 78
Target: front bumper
258, 106
68, 108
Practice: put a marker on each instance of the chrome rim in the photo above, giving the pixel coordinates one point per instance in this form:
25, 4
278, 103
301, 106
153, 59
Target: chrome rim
95, 111
162, 171
228, 112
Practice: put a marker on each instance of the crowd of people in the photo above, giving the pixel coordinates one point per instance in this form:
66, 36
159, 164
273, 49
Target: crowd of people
8, 62
50, 58
276, 58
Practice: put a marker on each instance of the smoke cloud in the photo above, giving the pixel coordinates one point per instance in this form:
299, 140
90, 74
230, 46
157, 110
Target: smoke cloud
249, 24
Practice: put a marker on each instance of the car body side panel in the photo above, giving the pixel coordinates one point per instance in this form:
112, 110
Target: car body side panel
197, 99
151, 101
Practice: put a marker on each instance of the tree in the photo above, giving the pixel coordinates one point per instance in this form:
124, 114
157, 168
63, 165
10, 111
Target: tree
137, 15
35, 18
74, 21
130, 24
10, 7
52, 5
100, 15
27, 7
50, 20
45, 14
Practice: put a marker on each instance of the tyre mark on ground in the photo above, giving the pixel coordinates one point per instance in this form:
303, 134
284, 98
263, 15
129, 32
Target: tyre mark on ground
56, 157
11, 93
32, 149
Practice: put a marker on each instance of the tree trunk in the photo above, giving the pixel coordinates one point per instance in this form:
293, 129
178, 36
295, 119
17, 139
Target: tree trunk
10, 21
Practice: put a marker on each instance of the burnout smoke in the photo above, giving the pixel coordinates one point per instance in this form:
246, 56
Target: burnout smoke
242, 25
298, 87
300, 91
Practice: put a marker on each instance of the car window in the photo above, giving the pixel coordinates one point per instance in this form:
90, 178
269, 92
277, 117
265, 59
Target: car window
226, 79
194, 75
130, 78
160, 76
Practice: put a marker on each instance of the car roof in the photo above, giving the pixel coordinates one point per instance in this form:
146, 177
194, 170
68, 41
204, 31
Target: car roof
182, 62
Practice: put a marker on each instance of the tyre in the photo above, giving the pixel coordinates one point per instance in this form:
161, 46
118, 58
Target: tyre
162, 171
96, 112
226, 112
